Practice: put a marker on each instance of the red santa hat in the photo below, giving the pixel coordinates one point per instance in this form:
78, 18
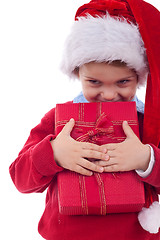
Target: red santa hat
129, 31
105, 31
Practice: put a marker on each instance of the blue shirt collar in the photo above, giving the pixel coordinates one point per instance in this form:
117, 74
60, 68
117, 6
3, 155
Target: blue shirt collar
139, 104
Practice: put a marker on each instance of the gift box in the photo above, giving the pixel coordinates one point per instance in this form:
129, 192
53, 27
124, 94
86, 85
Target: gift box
101, 193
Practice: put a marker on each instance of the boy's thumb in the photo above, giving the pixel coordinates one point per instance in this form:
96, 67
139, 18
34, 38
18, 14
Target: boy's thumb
67, 129
127, 129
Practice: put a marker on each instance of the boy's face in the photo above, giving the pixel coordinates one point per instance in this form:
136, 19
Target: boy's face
102, 82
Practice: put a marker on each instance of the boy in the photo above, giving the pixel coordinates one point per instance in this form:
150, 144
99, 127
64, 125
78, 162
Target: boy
106, 52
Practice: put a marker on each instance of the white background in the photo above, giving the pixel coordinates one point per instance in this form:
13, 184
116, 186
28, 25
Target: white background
32, 34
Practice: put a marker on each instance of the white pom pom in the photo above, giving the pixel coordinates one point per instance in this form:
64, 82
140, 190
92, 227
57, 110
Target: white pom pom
149, 218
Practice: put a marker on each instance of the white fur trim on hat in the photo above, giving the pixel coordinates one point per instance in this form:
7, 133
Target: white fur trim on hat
104, 39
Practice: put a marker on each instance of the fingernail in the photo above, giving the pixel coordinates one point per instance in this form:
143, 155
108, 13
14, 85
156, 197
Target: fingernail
105, 150
101, 169
106, 157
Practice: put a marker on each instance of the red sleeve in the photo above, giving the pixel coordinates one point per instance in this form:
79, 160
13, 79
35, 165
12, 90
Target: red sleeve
35, 167
154, 177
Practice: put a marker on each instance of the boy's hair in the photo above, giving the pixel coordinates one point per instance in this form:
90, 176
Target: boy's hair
116, 63
105, 33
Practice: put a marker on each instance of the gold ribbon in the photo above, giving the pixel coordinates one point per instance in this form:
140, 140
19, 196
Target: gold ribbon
102, 127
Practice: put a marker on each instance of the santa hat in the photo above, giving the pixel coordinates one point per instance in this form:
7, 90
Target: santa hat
125, 30
105, 31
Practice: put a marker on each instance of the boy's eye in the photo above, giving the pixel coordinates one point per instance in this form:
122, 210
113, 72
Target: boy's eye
92, 81
123, 81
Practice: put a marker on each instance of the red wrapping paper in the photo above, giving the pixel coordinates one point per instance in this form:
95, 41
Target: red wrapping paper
103, 193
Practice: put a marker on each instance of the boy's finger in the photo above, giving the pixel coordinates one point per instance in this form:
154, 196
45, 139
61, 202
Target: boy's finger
94, 154
67, 129
90, 166
112, 168
83, 171
92, 146
110, 146
127, 129
101, 163
112, 161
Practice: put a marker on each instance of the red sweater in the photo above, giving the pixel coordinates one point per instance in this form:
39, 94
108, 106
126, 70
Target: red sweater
35, 170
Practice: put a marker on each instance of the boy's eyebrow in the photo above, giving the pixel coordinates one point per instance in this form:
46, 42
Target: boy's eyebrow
127, 77
93, 78
89, 77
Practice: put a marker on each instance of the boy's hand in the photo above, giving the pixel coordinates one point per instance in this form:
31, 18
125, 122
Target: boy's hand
74, 155
128, 155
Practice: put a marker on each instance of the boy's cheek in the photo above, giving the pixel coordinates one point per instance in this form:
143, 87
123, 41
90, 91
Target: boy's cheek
90, 95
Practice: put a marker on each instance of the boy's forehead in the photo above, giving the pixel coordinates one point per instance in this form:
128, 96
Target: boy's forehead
104, 65
105, 70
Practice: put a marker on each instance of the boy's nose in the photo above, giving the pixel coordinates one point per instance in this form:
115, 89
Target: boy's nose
109, 95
